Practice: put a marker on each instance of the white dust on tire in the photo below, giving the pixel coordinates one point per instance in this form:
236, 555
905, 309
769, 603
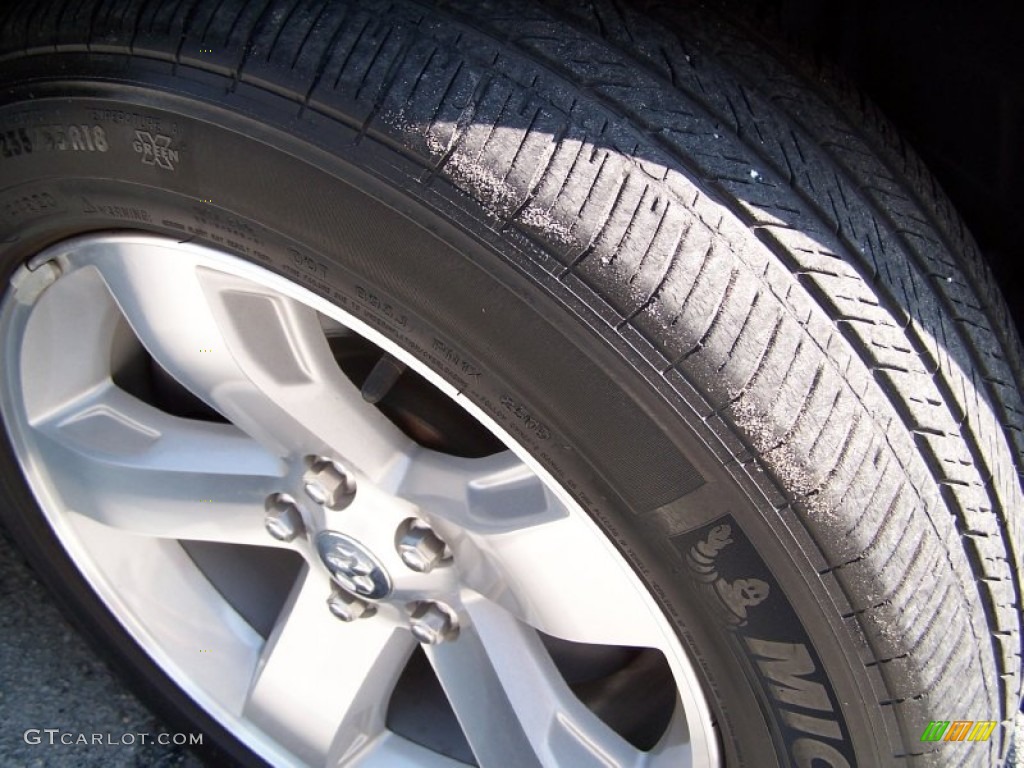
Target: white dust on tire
498, 196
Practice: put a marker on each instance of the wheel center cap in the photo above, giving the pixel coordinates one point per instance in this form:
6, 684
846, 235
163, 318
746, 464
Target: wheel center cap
352, 565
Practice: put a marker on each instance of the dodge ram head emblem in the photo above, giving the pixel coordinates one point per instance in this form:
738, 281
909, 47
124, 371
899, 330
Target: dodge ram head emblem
352, 566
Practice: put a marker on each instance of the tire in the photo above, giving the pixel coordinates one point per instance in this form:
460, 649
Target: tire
707, 291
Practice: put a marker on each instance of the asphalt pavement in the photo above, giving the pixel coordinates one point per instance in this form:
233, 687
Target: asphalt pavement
50, 679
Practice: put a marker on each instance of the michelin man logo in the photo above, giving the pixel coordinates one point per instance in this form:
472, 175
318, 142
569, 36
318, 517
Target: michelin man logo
735, 597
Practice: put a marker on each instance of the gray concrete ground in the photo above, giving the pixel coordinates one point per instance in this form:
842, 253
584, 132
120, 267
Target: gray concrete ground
49, 678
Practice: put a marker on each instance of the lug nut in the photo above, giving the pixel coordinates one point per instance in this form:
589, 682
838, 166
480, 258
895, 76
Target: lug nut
283, 520
419, 547
433, 623
347, 607
328, 484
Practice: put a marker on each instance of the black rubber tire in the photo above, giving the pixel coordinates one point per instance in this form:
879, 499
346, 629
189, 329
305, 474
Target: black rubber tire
708, 288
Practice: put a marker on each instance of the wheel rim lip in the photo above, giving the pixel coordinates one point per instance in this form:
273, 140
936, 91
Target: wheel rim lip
13, 319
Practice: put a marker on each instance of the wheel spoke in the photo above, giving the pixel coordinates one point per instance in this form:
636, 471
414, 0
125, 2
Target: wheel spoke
322, 685
513, 704
259, 358
128, 465
492, 495
513, 536
675, 747
390, 750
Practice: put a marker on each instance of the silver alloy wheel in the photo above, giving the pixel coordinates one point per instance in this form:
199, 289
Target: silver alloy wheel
122, 483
